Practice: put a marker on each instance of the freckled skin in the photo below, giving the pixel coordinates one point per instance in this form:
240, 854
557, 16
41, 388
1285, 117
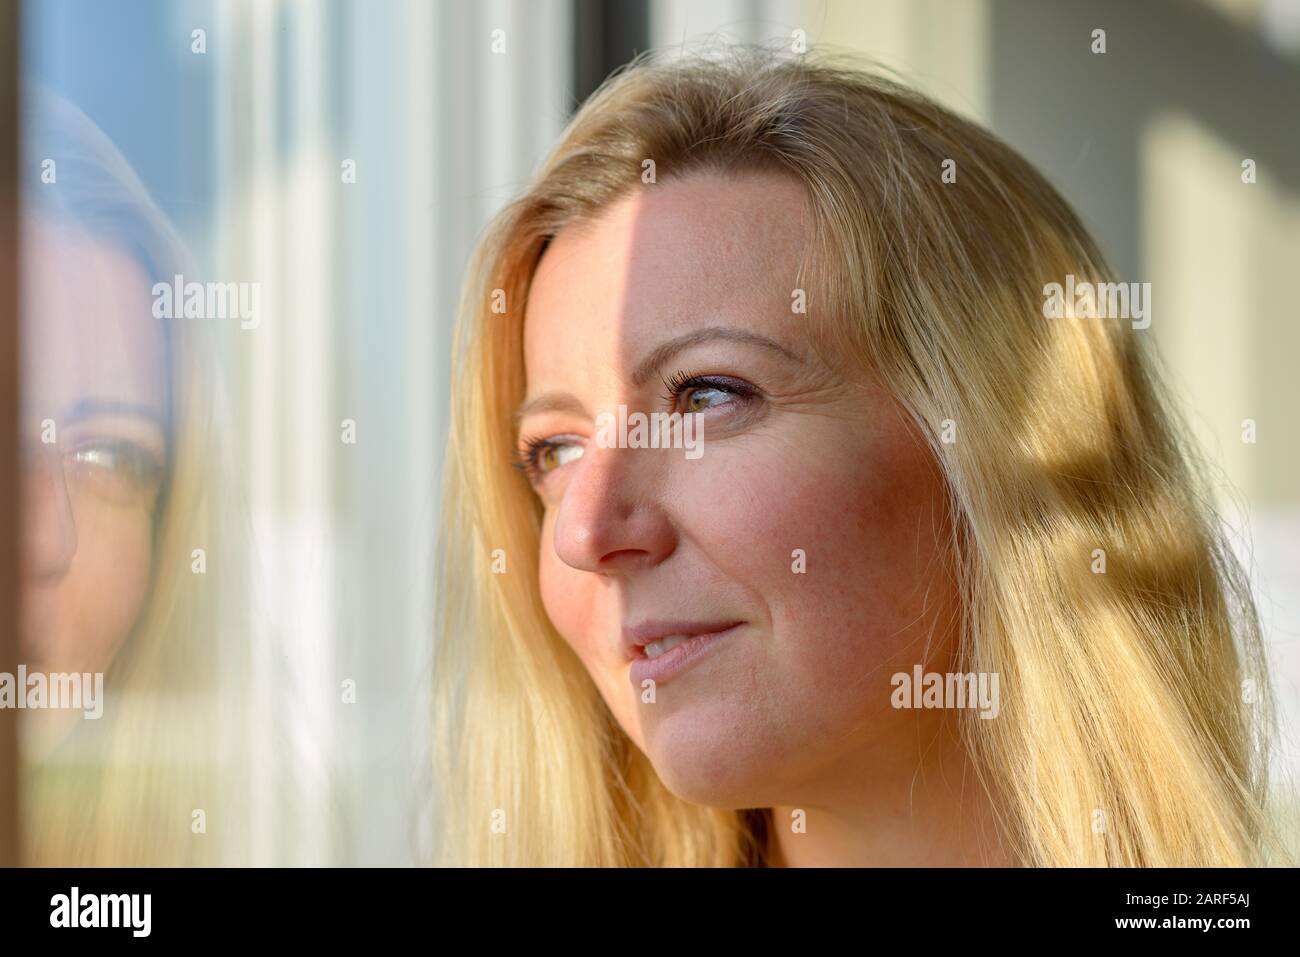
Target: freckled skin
795, 706
88, 333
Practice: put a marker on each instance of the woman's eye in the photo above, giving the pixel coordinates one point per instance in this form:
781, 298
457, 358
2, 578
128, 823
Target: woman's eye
699, 393
554, 454
540, 457
706, 397
116, 471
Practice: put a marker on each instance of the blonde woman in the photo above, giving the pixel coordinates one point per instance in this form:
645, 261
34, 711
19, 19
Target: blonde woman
125, 564
650, 657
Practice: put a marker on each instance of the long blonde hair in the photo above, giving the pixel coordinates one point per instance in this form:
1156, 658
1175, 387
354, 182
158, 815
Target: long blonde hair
1125, 737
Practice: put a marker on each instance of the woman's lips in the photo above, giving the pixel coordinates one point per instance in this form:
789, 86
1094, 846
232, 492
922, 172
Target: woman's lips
677, 658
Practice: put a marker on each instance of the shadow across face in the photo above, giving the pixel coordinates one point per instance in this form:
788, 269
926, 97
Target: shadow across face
809, 533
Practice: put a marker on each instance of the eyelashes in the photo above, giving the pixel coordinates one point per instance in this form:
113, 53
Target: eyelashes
678, 383
681, 383
528, 458
531, 457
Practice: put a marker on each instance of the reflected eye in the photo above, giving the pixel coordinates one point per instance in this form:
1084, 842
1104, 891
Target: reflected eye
539, 457
116, 470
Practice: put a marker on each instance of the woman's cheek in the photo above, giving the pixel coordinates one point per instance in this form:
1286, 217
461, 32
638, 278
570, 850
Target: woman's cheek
831, 533
107, 584
562, 589
578, 615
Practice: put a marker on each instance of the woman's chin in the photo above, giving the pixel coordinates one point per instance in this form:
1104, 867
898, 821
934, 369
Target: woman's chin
705, 766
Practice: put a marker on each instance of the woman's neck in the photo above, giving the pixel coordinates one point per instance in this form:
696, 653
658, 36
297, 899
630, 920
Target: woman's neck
926, 809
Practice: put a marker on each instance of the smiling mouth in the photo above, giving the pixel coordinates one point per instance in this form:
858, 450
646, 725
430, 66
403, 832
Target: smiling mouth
665, 657
657, 648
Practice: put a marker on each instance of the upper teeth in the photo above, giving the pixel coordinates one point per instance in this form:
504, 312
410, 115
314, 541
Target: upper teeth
657, 648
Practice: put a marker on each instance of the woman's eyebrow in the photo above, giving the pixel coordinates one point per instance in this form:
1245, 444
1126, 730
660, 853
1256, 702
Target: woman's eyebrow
550, 402
661, 353
88, 408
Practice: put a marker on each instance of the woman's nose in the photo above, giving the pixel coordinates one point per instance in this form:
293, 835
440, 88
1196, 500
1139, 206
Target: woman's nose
610, 520
49, 525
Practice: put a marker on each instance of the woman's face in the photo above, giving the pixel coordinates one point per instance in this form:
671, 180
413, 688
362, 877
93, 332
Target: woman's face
94, 381
811, 519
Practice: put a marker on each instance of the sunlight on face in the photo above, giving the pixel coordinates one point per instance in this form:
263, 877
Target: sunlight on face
796, 456
94, 380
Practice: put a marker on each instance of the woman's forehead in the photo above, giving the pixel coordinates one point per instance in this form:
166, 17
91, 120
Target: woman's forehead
668, 258
88, 325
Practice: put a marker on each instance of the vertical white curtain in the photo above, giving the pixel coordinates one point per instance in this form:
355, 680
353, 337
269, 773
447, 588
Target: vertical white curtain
440, 119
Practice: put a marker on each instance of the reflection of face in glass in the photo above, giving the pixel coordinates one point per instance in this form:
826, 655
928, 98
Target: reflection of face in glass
122, 434
95, 382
